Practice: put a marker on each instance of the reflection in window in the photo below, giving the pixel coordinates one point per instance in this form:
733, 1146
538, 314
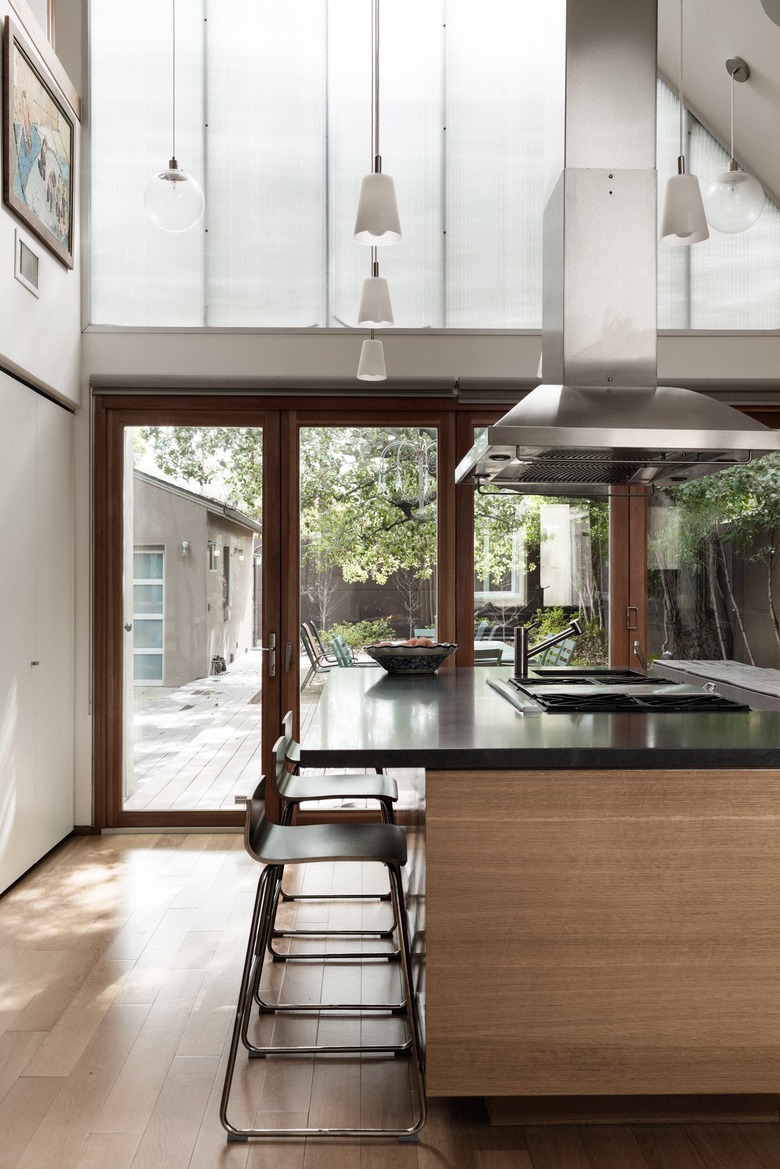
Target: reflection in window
540, 562
714, 567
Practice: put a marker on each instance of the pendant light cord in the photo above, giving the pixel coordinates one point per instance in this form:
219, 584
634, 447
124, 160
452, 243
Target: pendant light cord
376, 162
173, 74
731, 142
680, 95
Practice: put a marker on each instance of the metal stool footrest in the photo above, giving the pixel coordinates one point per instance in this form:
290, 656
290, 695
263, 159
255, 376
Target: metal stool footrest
276, 846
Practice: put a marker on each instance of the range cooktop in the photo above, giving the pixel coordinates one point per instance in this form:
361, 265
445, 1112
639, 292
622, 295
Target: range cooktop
610, 691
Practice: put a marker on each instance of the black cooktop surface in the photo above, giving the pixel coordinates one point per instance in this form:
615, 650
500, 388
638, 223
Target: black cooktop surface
616, 691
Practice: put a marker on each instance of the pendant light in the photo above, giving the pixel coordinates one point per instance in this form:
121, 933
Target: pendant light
375, 308
734, 200
371, 367
683, 220
173, 199
377, 223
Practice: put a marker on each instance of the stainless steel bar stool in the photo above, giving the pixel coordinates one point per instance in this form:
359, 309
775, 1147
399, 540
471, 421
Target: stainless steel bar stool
275, 846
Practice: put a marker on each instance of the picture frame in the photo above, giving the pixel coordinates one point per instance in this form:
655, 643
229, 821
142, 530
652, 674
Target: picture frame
38, 148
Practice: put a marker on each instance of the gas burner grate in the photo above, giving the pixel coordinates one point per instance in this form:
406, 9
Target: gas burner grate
636, 703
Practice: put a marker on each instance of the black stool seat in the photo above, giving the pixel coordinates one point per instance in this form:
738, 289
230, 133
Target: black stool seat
294, 789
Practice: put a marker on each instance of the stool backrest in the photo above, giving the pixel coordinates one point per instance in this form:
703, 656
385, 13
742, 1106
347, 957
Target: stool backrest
279, 768
254, 819
293, 747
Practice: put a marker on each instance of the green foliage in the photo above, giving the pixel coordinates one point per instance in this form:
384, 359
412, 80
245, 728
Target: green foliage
591, 648
739, 507
358, 634
224, 462
548, 622
368, 509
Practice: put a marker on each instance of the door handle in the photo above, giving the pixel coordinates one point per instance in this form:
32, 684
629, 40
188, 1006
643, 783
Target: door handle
270, 649
632, 622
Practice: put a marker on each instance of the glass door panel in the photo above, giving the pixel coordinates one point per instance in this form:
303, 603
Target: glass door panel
192, 658
713, 556
369, 543
541, 562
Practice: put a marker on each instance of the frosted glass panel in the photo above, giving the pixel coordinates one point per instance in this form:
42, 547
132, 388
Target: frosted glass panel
141, 275
274, 120
728, 281
266, 178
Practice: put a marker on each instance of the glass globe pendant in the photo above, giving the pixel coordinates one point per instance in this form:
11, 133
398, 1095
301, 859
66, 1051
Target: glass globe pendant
734, 200
173, 200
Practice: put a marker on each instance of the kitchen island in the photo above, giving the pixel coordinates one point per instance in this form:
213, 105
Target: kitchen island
602, 892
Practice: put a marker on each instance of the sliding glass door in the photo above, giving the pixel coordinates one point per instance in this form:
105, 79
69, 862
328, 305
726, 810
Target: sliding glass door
187, 590
193, 663
221, 525
369, 543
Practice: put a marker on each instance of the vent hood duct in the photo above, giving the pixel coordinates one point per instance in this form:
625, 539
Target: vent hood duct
604, 420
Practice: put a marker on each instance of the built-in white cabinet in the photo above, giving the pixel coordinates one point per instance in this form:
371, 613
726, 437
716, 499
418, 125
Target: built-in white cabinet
36, 627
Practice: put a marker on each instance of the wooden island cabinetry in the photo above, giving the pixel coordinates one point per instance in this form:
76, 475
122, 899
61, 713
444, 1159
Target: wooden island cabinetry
602, 893
603, 933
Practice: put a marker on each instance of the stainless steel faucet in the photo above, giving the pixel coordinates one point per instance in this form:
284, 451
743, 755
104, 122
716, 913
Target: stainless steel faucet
523, 653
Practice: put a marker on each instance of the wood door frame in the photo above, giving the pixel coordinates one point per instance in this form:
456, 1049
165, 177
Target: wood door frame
112, 413
284, 415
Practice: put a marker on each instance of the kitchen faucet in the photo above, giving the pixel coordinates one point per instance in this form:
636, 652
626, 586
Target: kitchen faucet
523, 653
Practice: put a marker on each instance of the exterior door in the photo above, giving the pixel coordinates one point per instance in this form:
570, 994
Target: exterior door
188, 658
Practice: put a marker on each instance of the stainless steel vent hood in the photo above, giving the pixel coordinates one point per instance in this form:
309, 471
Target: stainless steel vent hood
603, 420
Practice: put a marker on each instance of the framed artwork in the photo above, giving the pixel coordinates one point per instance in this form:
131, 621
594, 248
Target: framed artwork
38, 148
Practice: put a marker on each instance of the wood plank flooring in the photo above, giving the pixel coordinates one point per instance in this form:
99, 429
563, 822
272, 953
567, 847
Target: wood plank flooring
119, 964
198, 746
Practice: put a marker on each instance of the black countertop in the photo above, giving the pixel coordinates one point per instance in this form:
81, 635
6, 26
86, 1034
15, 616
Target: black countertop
454, 720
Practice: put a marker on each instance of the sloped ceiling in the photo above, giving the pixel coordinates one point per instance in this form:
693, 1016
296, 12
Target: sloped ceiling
715, 30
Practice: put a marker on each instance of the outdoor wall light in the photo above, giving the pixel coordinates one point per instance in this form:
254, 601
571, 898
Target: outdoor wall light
734, 200
184, 548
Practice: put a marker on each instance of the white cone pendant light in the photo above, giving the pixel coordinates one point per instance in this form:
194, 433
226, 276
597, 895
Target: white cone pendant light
734, 200
173, 200
682, 219
375, 308
371, 367
377, 223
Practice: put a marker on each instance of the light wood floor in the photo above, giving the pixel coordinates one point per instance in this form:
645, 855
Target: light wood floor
119, 963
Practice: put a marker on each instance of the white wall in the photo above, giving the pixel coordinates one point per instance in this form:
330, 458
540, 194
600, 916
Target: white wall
40, 338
